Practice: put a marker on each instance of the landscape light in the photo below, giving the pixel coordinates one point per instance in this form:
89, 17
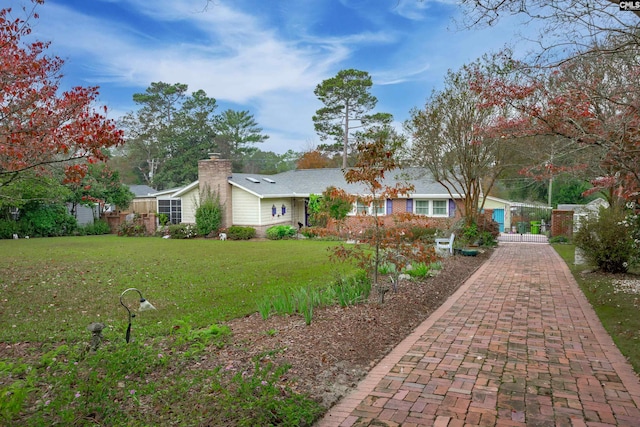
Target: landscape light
144, 306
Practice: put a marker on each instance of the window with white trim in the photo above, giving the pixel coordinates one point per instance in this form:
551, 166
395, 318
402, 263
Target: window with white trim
380, 207
422, 207
433, 208
172, 208
361, 208
440, 208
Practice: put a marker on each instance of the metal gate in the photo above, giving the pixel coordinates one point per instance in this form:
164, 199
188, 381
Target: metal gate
529, 223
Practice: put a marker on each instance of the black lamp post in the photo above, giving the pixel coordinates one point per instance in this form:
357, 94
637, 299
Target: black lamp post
144, 306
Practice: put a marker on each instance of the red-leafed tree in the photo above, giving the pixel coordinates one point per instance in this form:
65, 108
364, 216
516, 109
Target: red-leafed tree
591, 100
378, 243
40, 126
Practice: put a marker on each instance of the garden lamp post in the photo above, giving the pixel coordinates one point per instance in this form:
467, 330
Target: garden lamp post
144, 306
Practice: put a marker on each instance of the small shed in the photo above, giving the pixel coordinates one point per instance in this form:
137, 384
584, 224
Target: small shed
501, 212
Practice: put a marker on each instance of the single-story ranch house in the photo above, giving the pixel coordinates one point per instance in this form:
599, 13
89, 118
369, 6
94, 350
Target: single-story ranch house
262, 201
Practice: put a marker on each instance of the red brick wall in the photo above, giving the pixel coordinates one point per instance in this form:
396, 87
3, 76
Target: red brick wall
114, 220
561, 223
354, 225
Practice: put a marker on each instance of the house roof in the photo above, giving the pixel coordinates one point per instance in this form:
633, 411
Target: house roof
142, 190
185, 190
302, 183
592, 206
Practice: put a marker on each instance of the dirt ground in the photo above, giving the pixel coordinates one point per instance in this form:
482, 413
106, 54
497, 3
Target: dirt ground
330, 356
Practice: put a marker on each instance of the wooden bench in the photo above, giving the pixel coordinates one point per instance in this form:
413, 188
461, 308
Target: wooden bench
444, 245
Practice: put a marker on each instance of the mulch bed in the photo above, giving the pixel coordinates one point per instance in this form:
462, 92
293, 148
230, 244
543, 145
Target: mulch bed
338, 348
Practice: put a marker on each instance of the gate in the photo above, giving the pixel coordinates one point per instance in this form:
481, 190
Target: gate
529, 223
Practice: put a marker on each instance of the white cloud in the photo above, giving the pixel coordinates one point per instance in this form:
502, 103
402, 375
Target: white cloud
267, 61
410, 9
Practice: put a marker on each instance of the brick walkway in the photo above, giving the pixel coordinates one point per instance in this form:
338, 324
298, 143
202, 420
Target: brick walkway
517, 345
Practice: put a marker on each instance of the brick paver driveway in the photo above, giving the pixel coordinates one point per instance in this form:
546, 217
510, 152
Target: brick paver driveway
517, 345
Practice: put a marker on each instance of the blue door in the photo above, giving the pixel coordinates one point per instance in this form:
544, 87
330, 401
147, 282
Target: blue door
498, 216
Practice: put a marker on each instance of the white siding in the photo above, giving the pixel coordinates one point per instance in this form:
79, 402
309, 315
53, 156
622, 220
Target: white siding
246, 208
266, 211
299, 212
496, 204
190, 202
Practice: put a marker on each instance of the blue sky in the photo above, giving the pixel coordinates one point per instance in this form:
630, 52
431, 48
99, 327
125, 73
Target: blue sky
265, 56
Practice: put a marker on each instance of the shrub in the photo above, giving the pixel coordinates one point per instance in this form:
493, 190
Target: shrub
182, 231
241, 233
280, 232
487, 239
163, 219
47, 220
418, 269
489, 226
559, 239
309, 232
101, 227
606, 241
424, 234
97, 228
8, 228
484, 234
209, 215
133, 228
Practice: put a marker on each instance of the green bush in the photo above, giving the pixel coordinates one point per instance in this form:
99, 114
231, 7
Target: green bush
487, 240
241, 233
163, 219
182, 231
46, 220
483, 234
209, 215
8, 228
97, 228
101, 227
280, 232
559, 239
418, 270
606, 241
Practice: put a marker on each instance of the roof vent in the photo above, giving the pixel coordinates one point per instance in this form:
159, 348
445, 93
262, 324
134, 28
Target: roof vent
255, 181
269, 180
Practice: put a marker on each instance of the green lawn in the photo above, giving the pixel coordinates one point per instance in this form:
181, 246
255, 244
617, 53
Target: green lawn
51, 289
617, 310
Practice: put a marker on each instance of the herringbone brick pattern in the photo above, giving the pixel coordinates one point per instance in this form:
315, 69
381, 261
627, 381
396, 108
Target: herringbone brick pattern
517, 345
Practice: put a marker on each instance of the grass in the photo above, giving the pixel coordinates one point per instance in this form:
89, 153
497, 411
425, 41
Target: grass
345, 290
617, 310
51, 289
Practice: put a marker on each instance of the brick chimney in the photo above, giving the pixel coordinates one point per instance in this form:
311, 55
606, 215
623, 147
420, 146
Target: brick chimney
213, 173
